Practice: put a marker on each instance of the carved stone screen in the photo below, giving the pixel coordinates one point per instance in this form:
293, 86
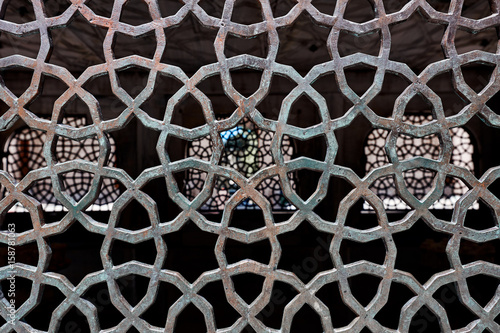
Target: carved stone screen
249, 166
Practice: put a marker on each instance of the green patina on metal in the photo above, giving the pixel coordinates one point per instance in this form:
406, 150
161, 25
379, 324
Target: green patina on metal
247, 108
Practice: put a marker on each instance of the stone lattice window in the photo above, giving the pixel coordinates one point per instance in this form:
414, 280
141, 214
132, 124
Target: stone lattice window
24, 152
419, 181
247, 149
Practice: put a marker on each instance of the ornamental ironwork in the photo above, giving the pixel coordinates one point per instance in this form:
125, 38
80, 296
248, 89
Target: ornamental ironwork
247, 149
24, 153
419, 181
220, 18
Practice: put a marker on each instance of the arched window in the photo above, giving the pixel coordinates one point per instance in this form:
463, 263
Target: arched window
247, 149
24, 152
418, 181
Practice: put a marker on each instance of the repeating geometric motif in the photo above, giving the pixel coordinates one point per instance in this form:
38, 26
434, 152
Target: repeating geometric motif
419, 181
247, 150
25, 153
247, 107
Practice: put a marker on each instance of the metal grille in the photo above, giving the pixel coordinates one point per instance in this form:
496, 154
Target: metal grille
246, 150
306, 292
419, 181
24, 153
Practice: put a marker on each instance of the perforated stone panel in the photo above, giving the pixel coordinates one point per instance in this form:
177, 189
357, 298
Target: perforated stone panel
365, 316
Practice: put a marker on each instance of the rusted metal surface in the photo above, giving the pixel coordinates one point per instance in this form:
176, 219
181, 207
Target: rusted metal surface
246, 108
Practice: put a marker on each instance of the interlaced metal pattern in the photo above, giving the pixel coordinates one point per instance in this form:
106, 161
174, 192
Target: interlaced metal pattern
24, 153
419, 181
441, 165
246, 150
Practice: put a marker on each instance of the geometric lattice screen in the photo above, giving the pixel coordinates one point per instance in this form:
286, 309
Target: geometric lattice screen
320, 250
247, 150
24, 153
419, 181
